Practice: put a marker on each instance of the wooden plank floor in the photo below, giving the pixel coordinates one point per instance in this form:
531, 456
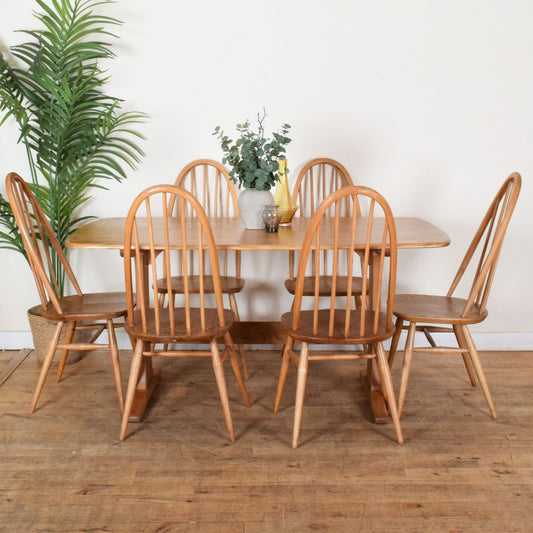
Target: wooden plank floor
63, 468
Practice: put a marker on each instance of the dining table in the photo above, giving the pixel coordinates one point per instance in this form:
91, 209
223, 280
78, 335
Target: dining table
230, 234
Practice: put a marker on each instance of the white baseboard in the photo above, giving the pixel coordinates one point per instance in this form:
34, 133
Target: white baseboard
489, 341
521, 341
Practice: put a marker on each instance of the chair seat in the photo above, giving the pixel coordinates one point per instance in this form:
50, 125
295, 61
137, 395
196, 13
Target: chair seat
305, 330
91, 306
324, 287
229, 284
164, 335
435, 309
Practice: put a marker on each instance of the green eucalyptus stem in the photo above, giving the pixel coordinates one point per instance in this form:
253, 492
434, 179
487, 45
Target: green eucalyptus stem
253, 158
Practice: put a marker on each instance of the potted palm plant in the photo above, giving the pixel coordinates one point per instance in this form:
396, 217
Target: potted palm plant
253, 160
76, 137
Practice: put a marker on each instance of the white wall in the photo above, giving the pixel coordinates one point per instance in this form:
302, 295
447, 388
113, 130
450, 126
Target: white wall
428, 102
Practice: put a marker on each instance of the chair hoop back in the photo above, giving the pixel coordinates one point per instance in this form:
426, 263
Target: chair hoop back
487, 243
317, 180
210, 183
152, 237
370, 241
42, 247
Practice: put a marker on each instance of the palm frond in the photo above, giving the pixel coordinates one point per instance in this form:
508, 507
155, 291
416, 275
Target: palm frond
76, 136
10, 239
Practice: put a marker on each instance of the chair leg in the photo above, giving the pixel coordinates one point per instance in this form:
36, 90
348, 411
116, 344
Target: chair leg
300, 392
236, 369
115, 362
46, 364
222, 390
235, 309
459, 335
285, 363
68, 339
406, 367
161, 300
132, 341
135, 371
479, 371
395, 340
388, 389
161, 303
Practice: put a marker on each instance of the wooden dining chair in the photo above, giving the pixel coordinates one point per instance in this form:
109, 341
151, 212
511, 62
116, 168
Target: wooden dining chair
450, 313
210, 183
337, 321
316, 181
187, 319
93, 311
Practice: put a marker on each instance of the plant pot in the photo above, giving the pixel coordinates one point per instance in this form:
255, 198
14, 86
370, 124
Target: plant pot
42, 331
251, 205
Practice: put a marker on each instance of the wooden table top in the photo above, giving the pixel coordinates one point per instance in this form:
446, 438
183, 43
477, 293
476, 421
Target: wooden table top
229, 234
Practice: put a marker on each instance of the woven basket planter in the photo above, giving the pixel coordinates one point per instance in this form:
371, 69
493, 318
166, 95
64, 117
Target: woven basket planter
42, 331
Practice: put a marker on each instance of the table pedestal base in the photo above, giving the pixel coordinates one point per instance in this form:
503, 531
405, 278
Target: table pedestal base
147, 383
257, 333
370, 381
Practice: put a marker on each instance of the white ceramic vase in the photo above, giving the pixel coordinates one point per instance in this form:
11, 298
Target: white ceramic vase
251, 205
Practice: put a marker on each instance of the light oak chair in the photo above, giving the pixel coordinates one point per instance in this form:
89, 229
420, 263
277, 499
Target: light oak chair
337, 321
434, 314
210, 183
95, 311
316, 181
152, 324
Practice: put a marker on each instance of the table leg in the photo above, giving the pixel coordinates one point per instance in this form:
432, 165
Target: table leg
275, 333
147, 379
370, 377
378, 405
145, 386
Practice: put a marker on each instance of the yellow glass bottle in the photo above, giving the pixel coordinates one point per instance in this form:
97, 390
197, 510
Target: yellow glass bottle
282, 195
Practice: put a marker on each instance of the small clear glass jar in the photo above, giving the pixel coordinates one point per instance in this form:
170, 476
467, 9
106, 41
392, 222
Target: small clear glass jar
271, 217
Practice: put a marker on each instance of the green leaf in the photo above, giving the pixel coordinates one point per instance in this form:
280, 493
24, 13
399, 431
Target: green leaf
253, 158
76, 136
